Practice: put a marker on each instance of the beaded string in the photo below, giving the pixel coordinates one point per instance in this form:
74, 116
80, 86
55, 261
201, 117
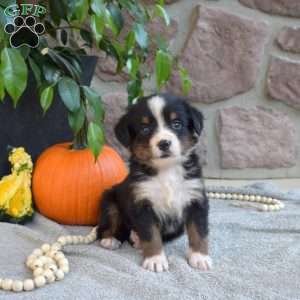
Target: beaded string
49, 264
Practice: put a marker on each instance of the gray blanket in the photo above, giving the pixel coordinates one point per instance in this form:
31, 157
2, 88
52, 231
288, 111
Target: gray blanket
256, 256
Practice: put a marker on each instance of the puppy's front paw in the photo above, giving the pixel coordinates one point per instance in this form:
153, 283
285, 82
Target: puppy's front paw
199, 261
156, 263
110, 243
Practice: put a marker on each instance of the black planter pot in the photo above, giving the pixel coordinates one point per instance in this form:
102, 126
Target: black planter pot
26, 125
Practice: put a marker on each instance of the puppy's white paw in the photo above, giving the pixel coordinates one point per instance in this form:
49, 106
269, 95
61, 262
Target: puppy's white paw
199, 261
156, 263
136, 243
110, 243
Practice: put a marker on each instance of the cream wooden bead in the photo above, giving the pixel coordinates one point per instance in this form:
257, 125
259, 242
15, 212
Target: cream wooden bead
75, 240
56, 247
38, 263
37, 252
65, 268
63, 261
59, 275
44, 259
29, 263
59, 255
39, 281
217, 196
69, 239
31, 257
28, 285
252, 198
1, 282
241, 197
62, 240
45, 248
7, 284
234, 196
209, 195
37, 272
258, 198
17, 286
52, 267
49, 275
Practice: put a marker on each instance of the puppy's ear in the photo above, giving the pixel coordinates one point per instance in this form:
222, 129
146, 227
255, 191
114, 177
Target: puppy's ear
122, 131
196, 119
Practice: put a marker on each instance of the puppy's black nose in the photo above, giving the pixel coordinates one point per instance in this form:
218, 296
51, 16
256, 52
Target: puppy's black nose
164, 145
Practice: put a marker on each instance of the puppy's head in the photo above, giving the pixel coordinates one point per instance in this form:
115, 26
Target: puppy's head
160, 129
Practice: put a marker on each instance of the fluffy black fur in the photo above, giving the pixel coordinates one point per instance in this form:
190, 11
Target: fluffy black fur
120, 212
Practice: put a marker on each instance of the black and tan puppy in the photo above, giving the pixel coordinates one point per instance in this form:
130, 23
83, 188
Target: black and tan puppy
163, 194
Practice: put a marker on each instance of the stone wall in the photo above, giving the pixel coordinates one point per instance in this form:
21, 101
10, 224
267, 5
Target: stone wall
244, 59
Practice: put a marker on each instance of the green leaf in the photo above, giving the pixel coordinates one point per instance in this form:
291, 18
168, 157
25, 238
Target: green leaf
76, 120
2, 90
163, 65
95, 110
98, 7
78, 10
115, 18
35, 70
141, 35
46, 98
185, 80
130, 41
62, 62
95, 138
97, 26
134, 90
132, 65
51, 73
64, 36
70, 94
14, 72
162, 13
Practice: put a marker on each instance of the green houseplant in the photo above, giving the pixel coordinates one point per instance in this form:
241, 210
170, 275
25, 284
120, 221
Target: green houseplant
56, 62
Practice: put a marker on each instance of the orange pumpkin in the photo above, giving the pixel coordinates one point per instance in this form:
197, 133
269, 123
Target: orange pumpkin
68, 184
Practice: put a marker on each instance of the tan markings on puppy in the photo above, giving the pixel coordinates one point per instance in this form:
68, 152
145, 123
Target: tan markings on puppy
145, 120
154, 246
141, 151
173, 115
197, 244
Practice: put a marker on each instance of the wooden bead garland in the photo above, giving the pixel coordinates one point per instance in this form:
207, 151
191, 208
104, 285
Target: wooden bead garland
48, 264
268, 203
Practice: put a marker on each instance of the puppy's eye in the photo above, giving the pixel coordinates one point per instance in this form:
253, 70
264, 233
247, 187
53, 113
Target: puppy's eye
176, 125
145, 130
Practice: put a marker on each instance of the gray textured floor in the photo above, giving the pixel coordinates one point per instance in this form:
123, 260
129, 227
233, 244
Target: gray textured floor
256, 256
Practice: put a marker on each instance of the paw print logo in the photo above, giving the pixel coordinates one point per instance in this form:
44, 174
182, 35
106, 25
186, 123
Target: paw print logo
24, 32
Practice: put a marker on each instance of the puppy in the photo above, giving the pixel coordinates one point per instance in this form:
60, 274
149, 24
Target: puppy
163, 194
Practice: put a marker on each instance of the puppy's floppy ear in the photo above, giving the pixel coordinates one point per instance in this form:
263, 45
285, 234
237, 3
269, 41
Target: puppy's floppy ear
122, 131
196, 118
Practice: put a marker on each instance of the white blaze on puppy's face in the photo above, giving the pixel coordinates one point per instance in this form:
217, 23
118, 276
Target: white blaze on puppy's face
156, 106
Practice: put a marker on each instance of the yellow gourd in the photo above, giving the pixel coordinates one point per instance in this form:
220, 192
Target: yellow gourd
15, 189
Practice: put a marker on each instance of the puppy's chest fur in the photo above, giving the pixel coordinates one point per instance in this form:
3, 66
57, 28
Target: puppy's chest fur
169, 192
